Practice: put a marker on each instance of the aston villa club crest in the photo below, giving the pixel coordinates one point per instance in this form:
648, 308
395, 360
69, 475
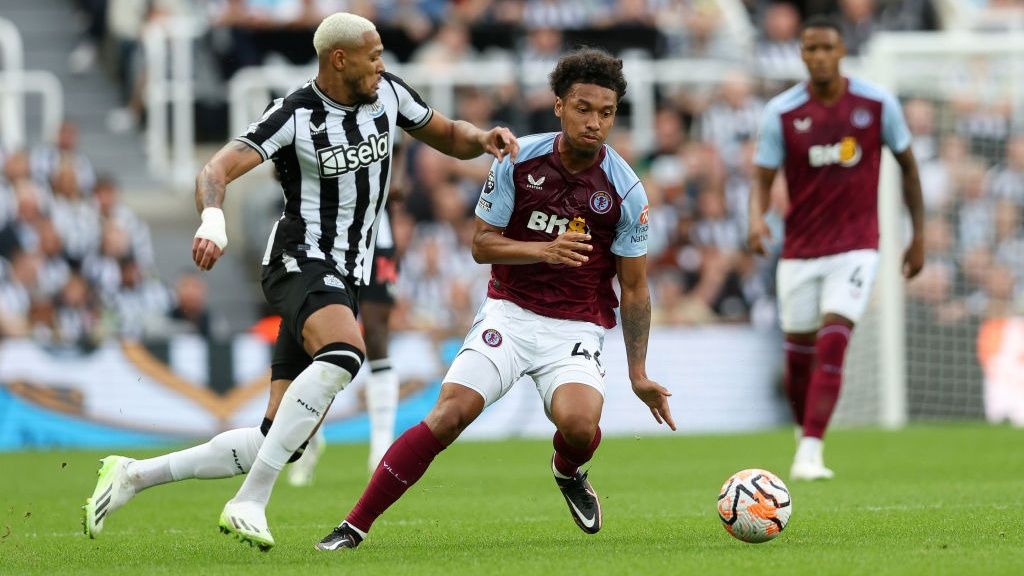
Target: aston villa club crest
491, 337
861, 118
601, 202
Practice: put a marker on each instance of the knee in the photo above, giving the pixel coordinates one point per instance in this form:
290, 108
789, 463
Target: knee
578, 430
339, 364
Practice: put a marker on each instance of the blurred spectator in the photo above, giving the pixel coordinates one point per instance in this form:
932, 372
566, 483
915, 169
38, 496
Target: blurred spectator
73, 214
17, 284
16, 169
671, 306
976, 265
939, 176
112, 211
975, 211
140, 305
429, 169
982, 103
778, 49
909, 15
696, 30
78, 314
45, 160
1009, 238
920, 116
1000, 293
555, 14
1005, 181
857, 21
450, 46
191, 311
20, 233
54, 270
542, 47
424, 284
732, 119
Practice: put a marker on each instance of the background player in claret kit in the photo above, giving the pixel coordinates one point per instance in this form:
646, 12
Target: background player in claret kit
557, 226
827, 134
331, 142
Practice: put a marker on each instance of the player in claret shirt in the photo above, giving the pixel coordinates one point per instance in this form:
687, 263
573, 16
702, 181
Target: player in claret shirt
557, 225
827, 134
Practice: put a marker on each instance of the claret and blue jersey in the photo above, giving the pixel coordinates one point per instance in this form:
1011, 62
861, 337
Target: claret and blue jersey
831, 155
536, 199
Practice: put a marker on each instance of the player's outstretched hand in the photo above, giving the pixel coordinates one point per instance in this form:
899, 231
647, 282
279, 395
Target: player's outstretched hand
570, 248
656, 397
913, 259
758, 233
500, 142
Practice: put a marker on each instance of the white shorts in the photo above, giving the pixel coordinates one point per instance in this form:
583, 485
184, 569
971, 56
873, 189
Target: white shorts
837, 284
518, 342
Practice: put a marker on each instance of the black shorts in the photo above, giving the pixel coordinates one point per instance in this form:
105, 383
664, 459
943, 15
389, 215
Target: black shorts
383, 278
296, 295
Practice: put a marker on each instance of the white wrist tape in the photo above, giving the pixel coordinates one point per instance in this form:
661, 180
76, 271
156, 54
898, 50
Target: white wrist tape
213, 228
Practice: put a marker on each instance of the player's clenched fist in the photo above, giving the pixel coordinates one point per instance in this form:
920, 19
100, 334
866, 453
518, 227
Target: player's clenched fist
570, 248
758, 233
210, 240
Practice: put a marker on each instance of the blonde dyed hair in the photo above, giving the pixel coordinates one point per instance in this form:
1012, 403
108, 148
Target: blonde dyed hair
340, 29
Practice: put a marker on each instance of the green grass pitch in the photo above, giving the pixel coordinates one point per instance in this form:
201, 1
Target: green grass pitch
927, 500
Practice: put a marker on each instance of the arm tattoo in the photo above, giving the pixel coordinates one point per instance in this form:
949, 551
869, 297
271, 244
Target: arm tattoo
209, 190
210, 186
636, 327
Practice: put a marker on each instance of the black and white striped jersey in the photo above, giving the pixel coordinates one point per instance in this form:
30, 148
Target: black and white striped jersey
334, 163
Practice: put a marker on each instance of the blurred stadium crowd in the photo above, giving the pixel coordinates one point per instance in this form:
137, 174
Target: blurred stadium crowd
77, 265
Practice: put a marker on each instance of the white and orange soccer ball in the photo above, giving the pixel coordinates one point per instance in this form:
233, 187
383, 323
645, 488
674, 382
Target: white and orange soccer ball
754, 505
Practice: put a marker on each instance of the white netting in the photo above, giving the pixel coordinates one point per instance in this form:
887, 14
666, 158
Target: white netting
963, 98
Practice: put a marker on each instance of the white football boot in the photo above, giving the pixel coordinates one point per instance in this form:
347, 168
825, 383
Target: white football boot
810, 471
113, 489
247, 522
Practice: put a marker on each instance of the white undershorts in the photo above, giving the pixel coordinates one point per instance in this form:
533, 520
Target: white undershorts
519, 342
812, 287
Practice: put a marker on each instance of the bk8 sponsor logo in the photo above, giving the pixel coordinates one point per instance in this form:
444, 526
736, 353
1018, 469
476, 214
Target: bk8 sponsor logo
846, 153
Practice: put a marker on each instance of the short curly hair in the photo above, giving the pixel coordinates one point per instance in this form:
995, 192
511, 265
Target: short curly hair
588, 66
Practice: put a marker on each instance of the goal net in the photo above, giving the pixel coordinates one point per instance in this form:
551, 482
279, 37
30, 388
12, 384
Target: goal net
932, 348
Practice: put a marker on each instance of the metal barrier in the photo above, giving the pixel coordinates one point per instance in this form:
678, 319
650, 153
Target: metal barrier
15, 83
170, 143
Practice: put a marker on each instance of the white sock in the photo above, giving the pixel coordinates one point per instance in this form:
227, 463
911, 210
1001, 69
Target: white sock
381, 404
356, 530
226, 454
810, 450
302, 407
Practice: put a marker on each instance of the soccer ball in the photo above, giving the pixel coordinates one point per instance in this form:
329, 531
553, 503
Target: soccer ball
754, 505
